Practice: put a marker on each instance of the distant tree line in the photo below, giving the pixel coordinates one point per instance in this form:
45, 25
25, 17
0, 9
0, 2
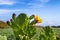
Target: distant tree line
51, 26
56, 26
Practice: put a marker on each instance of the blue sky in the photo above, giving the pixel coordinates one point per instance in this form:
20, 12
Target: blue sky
48, 10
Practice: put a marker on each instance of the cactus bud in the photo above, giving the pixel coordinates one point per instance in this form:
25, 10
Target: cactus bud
8, 22
14, 16
11, 20
31, 17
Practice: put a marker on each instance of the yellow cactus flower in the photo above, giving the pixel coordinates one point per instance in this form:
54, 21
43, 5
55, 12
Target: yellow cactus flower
37, 19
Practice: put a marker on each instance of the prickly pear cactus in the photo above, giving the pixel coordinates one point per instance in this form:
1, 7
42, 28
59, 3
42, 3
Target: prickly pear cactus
23, 29
47, 33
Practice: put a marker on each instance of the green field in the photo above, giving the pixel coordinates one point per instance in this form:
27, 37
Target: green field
57, 31
9, 32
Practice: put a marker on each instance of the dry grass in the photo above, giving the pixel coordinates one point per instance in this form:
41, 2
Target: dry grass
3, 24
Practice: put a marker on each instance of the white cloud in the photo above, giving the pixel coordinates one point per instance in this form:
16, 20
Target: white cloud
5, 14
2, 11
6, 2
11, 2
38, 3
35, 4
44, 0
6, 11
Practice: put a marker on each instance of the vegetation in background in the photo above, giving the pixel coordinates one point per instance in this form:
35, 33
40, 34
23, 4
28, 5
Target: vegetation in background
47, 33
3, 37
6, 32
3, 24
